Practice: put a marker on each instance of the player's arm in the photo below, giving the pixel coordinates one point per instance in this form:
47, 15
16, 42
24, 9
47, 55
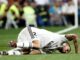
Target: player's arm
75, 45
73, 37
33, 52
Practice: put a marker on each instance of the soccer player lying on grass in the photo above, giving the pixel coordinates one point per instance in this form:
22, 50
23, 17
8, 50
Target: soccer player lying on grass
44, 42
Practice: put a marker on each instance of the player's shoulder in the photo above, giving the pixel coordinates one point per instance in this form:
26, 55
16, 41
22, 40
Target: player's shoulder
32, 28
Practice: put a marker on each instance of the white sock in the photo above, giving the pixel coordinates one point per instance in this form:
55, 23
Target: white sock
14, 53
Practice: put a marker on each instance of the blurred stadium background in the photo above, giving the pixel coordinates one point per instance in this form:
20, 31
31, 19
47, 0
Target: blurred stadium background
53, 15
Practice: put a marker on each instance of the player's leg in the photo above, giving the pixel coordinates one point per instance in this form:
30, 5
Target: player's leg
15, 51
36, 51
33, 52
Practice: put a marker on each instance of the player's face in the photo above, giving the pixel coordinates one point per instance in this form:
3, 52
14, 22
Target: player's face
66, 48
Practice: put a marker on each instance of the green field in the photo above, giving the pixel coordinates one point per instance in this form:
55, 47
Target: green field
11, 34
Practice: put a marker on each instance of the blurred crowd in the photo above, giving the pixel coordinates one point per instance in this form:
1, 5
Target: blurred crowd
36, 13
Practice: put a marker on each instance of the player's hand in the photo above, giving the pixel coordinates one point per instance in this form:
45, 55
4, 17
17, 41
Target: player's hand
12, 44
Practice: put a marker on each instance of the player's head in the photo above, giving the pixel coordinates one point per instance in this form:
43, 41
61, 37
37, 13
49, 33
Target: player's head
66, 48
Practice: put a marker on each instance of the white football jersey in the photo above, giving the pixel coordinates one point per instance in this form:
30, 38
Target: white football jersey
24, 36
43, 36
46, 36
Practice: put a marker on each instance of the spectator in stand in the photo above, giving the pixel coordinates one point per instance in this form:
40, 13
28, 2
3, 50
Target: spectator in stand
3, 7
68, 10
29, 14
12, 14
42, 12
54, 12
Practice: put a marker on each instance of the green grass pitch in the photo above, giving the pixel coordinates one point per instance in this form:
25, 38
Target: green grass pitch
11, 34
